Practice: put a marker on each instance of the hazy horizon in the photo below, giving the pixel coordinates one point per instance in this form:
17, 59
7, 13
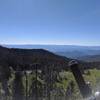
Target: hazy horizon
54, 44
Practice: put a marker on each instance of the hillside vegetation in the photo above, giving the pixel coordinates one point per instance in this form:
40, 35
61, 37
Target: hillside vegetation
48, 76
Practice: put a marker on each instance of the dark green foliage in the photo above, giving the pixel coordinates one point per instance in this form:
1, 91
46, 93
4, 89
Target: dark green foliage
5, 74
18, 88
47, 84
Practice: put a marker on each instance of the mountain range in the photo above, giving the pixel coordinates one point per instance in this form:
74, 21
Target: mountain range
15, 56
70, 51
25, 57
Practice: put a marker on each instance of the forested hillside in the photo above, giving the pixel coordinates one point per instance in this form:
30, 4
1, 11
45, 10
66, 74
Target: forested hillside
37, 74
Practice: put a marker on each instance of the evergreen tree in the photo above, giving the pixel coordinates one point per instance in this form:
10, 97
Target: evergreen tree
18, 88
36, 90
5, 74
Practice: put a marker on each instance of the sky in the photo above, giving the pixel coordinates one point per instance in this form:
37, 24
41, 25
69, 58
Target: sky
64, 22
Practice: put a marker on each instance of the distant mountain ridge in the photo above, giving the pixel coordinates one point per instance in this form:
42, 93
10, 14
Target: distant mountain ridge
70, 51
21, 57
90, 58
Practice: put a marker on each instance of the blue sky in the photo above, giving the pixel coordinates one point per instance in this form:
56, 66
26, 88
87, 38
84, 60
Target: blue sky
70, 22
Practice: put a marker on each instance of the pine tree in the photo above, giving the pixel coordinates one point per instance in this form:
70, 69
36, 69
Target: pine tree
18, 88
5, 74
